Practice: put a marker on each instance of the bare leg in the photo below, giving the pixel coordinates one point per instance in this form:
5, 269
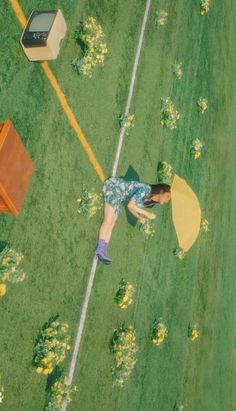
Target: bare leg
109, 220
105, 232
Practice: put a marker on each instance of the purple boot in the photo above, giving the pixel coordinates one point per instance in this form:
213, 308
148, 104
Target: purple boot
101, 252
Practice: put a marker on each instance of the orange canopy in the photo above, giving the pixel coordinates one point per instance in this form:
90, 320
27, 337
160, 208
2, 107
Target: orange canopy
186, 213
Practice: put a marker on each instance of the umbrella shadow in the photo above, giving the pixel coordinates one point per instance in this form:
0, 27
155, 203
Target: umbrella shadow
130, 175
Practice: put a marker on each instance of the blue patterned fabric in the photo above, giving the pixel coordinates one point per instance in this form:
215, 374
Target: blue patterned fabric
117, 191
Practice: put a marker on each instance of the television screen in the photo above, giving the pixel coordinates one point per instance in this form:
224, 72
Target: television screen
41, 21
38, 28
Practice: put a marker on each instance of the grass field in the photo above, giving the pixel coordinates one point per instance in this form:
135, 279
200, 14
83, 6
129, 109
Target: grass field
58, 243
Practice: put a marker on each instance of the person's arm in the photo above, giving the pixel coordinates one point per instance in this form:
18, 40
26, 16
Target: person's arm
140, 213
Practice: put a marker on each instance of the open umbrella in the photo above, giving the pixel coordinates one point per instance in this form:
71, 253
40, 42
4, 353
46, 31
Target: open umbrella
186, 213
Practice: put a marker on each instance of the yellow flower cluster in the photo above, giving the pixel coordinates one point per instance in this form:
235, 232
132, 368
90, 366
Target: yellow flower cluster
10, 270
91, 34
161, 17
127, 299
179, 253
177, 70
126, 121
196, 148
3, 289
169, 114
59, 388
195, 154
204, 6
124, 294
129, 121
89, 202
202, 104
124, 349
193, 332
60, 391
95, 203
204, 225
51, 348
164, 172
147, 228
159, 333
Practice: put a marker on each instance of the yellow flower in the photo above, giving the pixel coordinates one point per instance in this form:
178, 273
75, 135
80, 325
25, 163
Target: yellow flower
39, 370
22, 277
125, 298
6, 261
197, 155
48, 370
3, 289
195, 334
45, 360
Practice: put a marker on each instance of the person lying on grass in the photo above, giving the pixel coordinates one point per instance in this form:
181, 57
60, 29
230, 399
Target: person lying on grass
137, 196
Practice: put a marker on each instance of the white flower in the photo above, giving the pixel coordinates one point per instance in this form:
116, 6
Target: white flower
196, 147
169, 114
164, 172
204, 225
177, 70
161, 17
202, 104
197, 144
179, 253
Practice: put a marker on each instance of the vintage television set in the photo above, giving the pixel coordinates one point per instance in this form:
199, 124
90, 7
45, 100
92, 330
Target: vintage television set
42, 35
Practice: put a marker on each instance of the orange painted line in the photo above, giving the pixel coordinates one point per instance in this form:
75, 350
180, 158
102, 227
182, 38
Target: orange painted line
19, 12
71, 117
61, 97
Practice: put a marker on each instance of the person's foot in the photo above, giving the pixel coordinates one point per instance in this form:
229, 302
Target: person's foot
101, 252
103, 258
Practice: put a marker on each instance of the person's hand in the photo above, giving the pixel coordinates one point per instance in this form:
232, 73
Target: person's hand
151, 216
142, 220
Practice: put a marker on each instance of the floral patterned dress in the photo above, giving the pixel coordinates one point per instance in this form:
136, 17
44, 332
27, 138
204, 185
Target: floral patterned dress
117, 191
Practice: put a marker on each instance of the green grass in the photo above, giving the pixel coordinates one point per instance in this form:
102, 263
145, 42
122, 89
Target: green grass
58, 245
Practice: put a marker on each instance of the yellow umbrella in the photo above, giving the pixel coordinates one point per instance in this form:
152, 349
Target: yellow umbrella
186, 213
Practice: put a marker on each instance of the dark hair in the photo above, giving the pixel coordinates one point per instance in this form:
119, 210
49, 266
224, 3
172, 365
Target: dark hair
156, 189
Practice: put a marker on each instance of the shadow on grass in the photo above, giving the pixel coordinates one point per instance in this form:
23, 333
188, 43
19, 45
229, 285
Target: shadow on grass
77, 36
3, 244
130, 175
52, 378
